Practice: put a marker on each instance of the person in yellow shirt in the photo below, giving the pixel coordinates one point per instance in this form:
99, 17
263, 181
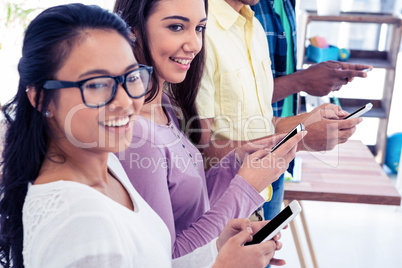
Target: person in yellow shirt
236, 93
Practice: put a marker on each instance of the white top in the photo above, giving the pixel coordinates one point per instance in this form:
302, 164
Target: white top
69, 224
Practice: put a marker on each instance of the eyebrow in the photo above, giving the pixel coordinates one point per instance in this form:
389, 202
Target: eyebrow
105, 72
180, 18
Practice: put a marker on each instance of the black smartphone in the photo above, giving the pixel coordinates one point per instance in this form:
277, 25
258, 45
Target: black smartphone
360, 111
276, 224
294, 131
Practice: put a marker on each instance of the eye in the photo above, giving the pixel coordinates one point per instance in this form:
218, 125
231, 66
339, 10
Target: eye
133, 77
200, 28
98, 84
95, 85
176, 27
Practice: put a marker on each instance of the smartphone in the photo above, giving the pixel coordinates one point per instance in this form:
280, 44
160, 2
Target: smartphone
360, 111
276, 224
294, 131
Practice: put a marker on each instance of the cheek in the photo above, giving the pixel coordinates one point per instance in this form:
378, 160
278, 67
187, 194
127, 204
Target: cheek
81, 125
138, 104
199, 43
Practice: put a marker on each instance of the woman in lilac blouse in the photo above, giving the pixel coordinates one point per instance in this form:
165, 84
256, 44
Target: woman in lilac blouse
168, 169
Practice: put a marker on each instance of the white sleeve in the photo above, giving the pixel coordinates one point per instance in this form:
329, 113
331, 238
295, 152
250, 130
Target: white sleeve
202, 257
89, 240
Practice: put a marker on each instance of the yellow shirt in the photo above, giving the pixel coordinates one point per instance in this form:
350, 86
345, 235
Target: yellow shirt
237, 85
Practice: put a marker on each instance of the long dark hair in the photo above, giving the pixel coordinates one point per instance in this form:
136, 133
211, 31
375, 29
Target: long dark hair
49, 39
136, 14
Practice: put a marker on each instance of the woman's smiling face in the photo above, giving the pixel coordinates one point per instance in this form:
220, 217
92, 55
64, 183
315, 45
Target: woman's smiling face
175, 32
108, 128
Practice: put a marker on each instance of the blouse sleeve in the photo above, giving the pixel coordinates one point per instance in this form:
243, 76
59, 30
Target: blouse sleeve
219, 176
148, 170
202, 257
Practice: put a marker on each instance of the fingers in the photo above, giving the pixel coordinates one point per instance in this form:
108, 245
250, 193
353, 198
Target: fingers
242, 237
267, 247
277, 262
345, 134
258, 154
257, 225
240, 224
347, 75
278, 245
349, 123
330, 113
290, 144
277, 236
357, 67
268, 142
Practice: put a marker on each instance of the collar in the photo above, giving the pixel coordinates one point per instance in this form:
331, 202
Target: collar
226, 16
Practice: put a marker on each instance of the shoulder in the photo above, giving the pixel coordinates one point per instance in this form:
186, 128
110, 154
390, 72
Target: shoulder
65, 223
49, 202
48, 207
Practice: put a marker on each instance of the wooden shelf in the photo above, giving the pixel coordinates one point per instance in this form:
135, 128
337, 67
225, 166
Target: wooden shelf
378, 59
356, 17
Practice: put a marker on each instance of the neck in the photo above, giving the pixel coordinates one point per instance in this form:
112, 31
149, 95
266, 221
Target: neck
74, 164
235, 4
153, 110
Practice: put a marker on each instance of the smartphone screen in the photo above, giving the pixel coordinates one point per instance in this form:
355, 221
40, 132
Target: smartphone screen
276, 224
360, 111
270, 226
297, 129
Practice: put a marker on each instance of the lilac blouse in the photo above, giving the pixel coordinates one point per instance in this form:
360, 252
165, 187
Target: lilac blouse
168, 172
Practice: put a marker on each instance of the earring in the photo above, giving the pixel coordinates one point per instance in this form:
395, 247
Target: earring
47, 114
27, 89
133, 38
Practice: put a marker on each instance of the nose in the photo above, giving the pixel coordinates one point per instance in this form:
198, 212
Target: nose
193, 42
124, 101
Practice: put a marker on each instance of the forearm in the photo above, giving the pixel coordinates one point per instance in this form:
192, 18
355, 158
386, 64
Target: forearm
286, 85
238, 201
285, 124
218, 149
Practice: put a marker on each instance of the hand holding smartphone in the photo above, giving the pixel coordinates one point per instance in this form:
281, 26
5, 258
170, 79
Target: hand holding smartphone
360, 111
276, 224
294, 131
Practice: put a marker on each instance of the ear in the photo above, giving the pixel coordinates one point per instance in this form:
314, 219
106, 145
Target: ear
31, 94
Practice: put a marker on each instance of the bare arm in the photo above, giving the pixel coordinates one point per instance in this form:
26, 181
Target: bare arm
325, 128
214, 150
318, 80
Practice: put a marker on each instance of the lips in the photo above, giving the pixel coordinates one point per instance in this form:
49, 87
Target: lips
118, 122
181, 61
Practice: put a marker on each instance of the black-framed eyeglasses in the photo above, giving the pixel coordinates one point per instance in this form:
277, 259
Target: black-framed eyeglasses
101, 90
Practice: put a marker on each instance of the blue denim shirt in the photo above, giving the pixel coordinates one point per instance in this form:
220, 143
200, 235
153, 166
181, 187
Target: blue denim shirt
271, 22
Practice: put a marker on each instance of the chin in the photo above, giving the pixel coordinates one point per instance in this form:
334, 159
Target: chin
176, 79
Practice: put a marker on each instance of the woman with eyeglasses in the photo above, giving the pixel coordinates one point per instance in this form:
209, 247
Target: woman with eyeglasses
65, 199
162, 162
